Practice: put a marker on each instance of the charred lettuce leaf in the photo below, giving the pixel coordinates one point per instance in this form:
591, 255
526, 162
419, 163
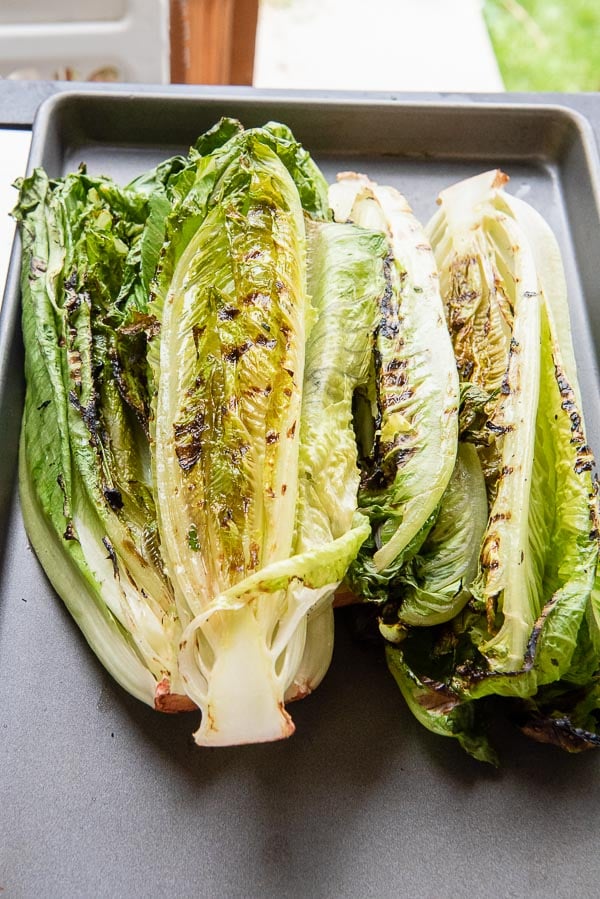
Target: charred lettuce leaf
436, 583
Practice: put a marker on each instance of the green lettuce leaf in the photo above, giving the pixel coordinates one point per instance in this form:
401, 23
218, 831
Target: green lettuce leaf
436, 583
98, 263
437, 706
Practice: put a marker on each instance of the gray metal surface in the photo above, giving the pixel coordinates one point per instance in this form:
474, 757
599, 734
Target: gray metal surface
102, 797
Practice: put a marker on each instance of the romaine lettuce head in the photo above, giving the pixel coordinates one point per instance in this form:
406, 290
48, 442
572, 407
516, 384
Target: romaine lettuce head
531, 620
254, 454
85, 475
189, 408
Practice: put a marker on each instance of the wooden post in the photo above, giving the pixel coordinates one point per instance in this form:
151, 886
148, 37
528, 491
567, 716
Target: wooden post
243, 42
213, 41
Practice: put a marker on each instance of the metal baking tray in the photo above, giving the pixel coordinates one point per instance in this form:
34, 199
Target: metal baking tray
101, 796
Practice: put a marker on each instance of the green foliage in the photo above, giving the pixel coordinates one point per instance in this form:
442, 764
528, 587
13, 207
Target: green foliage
546, 45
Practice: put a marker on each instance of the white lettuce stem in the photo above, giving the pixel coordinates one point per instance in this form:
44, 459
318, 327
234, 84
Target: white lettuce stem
243, 698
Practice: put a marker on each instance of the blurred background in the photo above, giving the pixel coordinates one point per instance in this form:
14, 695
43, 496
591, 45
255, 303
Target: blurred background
382, 45
390, 45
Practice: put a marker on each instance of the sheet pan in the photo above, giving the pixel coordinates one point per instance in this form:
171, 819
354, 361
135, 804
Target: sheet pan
101, 796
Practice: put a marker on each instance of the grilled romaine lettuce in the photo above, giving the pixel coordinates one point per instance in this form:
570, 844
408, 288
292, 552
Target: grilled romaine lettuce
229, 365
407, 419
436, 583
530, 621
85, 475
234, 403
